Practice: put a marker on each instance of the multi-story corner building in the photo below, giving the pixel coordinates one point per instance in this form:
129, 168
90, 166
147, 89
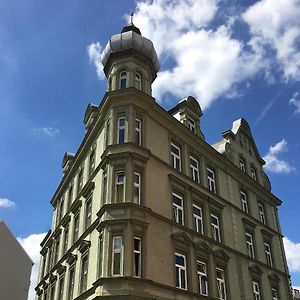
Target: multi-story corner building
147, 209
15, 267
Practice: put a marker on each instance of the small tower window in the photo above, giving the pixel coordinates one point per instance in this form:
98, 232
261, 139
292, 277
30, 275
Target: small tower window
138, 81
123, 80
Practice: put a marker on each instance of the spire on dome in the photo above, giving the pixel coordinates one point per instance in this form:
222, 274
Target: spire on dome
131, 26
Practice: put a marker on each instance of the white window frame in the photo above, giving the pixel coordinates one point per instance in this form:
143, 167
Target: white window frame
268, 253
249, 244
88, 212
221, 285
244, 202
211, 180
176, 158
84, 272
121, 127
76, 228
80, 180
178, 209
123, 76
180, 270
137, 185
117, 251
216, 231
191, 125
137, 253
118, 184
253, 174
242, 164
138, 81
92, 160
256, 290
71, 283
261, 212
198, 219
61, 286
202, 275
138, 131
194, 169
274, 297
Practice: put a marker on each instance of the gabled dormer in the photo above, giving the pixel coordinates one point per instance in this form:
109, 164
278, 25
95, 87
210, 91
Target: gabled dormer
67, 161
238, 145
188, 112
90, 115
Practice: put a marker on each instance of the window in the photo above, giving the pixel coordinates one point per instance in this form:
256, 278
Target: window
175, 157
180, 269
84, 273
137, 188
256, 291
107, 133
138, 81
71, 283
117, 256
202, 278
138, 132
242, 165
123, 79
80, 180
61, 287
88, 213
253, 174
211, 180
268, 254
121, 130
197, 218
56, 250
104, 188
120, 186
76, 228
52, 291
178, 208
275, 294
61, 209
249, 244
261, 212
92, 162
194, 166
100, 259
221, 284
244, 202
137, 256
70, 195
215, 226
49, 264
191, 125
66, 239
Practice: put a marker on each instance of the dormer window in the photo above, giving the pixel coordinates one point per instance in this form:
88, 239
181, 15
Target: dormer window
138, 81
123, 80
191, 125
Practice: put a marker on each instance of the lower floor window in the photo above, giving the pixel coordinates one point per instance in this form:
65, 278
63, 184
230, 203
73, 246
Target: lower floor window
256, 290
275, 294
117, 256
221, 284
202, 278
180, 269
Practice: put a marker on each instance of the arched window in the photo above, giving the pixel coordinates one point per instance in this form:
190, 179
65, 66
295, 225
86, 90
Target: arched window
138, 81
123, 79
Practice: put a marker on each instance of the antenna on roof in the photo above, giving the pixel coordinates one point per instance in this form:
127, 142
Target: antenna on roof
131, 17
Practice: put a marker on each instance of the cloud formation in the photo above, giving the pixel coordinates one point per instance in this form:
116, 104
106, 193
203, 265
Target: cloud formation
273, 163
94, 51
295, 102
31, 244
292, 251
48, 131
6, 203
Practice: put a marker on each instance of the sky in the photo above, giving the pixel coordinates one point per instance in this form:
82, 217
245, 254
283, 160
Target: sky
237, 58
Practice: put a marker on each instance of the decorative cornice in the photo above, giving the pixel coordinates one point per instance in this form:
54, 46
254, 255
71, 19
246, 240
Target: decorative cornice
71, 259
220, 253
84, 246
256, 269
182, 237
88, 189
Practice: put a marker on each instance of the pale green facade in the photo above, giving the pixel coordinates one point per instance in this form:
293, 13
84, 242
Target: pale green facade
144, 188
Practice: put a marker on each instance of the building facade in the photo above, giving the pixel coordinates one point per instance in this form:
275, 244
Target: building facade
15, 267
147, 209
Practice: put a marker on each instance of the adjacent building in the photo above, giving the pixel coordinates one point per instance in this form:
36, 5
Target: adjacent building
147, 209
15, 267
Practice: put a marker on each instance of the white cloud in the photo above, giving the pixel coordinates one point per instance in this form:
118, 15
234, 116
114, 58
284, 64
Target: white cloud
31, 244
94, 51
296, 102
275, 24
48, 131
6, 203
273, 163
292, 251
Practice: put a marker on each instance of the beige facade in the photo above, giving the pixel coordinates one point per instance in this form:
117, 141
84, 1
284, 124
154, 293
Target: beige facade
147, 209
15, 267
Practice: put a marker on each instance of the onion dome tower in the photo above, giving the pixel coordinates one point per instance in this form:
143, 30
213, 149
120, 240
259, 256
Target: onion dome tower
130, 60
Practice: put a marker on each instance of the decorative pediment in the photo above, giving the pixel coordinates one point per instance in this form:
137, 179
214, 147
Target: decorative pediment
274, 277
221, 254
38, 290
75, 206
266, 234
88, 189
249, 224
204, 246
256, 269
84, 245
52, 278
71, 258
182, 237
68, 157
61, 269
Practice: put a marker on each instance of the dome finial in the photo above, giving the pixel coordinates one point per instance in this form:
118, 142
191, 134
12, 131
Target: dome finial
131, 17
131, 26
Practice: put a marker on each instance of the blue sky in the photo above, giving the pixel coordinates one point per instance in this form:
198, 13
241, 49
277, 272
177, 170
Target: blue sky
238, 58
